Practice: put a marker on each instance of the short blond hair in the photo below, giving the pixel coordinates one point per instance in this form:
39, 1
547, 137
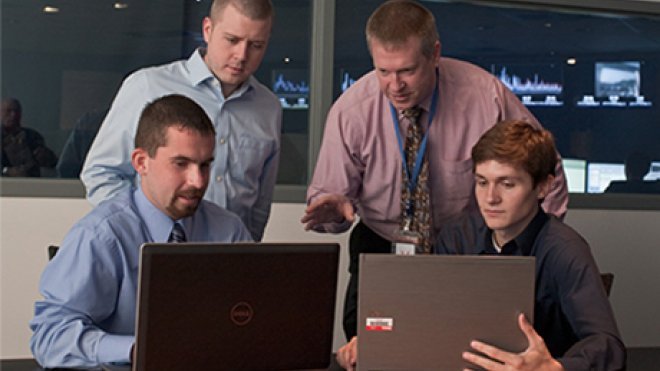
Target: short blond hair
395, 21
253, 9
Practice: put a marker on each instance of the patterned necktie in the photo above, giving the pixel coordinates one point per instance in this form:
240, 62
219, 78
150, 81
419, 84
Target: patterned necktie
421, 219
178, 234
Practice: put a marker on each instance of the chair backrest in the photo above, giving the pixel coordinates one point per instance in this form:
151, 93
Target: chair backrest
608, 279
52, 250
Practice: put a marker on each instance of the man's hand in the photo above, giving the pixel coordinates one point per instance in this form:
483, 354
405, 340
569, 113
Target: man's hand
347, 355
535, 357
330, 208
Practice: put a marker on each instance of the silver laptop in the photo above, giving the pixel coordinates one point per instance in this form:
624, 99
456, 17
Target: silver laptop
421, 312
249, 306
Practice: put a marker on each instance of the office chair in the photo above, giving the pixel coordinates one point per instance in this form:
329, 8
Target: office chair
52, 250
608, 279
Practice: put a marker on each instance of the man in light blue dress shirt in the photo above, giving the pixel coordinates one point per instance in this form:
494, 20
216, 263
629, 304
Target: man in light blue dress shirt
246, 115
87, 315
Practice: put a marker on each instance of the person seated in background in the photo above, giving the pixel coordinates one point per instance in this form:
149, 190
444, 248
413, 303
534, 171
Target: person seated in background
574, 327
87, 315
24, 150
637, 165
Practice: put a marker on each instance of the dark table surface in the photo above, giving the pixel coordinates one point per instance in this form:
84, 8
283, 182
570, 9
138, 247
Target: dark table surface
639, 359
32, 365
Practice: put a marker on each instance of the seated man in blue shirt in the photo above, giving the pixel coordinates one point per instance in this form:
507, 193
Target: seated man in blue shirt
87, 316
574, 327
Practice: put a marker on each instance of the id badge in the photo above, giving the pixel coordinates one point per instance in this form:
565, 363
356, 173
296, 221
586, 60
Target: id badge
407, 242
402, 248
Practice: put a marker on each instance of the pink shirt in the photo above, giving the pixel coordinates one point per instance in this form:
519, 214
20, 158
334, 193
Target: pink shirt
360, 157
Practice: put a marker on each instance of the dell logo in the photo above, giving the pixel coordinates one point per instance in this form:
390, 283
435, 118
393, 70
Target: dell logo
241, 313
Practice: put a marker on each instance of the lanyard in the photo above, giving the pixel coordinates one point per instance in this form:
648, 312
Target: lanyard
412, 180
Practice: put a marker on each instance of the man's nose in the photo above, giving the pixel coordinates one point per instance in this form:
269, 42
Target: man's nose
493, 195
397, 82
241, 50
196, 177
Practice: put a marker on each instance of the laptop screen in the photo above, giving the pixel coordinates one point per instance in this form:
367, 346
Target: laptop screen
248, 306
421, 312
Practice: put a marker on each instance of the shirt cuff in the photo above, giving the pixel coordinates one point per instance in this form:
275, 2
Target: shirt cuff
333, 227
115, 348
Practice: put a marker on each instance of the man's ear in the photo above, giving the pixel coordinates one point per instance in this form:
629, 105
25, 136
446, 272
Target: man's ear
437, 52
140, 160
207, 28
544, 187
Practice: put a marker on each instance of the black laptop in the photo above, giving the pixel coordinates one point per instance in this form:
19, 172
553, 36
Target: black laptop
248, 306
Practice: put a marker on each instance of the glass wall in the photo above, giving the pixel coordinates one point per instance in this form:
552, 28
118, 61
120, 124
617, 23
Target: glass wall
64, 61
593, 79
588, 71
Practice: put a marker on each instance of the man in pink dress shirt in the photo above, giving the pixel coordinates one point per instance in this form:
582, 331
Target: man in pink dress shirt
359, 169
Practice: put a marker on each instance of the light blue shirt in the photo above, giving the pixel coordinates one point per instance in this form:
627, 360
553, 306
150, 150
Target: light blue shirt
247, 124
87, 316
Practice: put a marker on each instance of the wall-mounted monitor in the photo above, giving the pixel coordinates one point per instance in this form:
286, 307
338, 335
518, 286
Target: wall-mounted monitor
576, 174
599, 175
654, 172
621, 79
346, 80
535, 85
616, 84
348, 76
291, 87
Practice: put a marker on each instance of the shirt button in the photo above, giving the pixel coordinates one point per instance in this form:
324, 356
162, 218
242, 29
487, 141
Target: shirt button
222, 140
218, 178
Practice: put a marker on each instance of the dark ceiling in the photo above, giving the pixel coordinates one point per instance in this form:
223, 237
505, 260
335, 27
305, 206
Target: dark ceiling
466, 29
480, 30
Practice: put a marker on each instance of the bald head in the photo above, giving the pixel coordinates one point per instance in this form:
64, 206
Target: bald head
11, 114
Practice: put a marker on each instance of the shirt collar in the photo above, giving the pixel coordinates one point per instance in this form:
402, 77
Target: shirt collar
158, 224
200, 73
523, 243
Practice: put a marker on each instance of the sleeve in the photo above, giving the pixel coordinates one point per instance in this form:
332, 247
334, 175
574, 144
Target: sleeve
108, 169
79, 287
242, 234
587, 309
556, 202
261, 209
235, 228
460, 235
338, 168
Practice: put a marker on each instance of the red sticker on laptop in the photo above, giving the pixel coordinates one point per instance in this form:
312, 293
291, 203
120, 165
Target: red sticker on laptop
379, 324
